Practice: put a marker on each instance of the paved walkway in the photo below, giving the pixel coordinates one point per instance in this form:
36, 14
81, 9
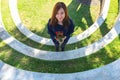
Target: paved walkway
66, 55
108, 72
46, 41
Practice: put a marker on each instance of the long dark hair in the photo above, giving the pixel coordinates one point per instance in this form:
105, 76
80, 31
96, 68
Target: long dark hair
54, 21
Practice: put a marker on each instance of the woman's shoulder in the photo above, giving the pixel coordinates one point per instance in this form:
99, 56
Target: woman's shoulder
49, 22
71, 21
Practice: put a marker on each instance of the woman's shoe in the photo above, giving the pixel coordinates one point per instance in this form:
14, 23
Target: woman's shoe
62, 49
57, 49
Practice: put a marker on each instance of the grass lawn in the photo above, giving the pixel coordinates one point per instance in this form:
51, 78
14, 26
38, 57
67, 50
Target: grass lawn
106, 55
11, 28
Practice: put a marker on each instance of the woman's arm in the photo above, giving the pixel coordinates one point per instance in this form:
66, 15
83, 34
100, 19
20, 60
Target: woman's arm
52, 34
70, 29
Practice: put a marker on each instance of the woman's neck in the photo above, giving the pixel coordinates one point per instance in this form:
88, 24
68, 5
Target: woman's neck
60, 23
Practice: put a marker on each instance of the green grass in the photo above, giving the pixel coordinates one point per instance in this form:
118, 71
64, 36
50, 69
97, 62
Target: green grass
105, 56
11, 28
107, 25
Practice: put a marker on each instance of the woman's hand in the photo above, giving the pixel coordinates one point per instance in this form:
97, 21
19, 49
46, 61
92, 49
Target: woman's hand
57, 39
63, 38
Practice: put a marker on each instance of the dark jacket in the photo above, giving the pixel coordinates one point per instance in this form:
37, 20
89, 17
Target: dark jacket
66, 31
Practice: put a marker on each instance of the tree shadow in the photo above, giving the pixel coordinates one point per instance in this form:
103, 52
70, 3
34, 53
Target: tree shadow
101, 58
101, 5
119, 36
79, 10
104, 28
25, 40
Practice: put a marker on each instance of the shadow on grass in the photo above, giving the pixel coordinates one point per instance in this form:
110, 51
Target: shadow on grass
89, 40
104, 28
119, 35
79, 10
22, 38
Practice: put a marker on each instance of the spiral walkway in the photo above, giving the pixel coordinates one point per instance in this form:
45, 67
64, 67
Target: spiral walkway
110, 71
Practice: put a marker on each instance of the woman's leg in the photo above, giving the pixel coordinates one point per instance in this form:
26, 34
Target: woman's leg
57, 47
56, 44
64, 43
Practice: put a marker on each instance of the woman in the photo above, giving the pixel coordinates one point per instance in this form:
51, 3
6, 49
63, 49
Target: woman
60, 26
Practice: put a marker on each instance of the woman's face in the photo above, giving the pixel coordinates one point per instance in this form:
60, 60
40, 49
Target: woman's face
60, 15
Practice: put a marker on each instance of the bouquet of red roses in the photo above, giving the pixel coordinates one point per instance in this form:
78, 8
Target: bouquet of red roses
60, 37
